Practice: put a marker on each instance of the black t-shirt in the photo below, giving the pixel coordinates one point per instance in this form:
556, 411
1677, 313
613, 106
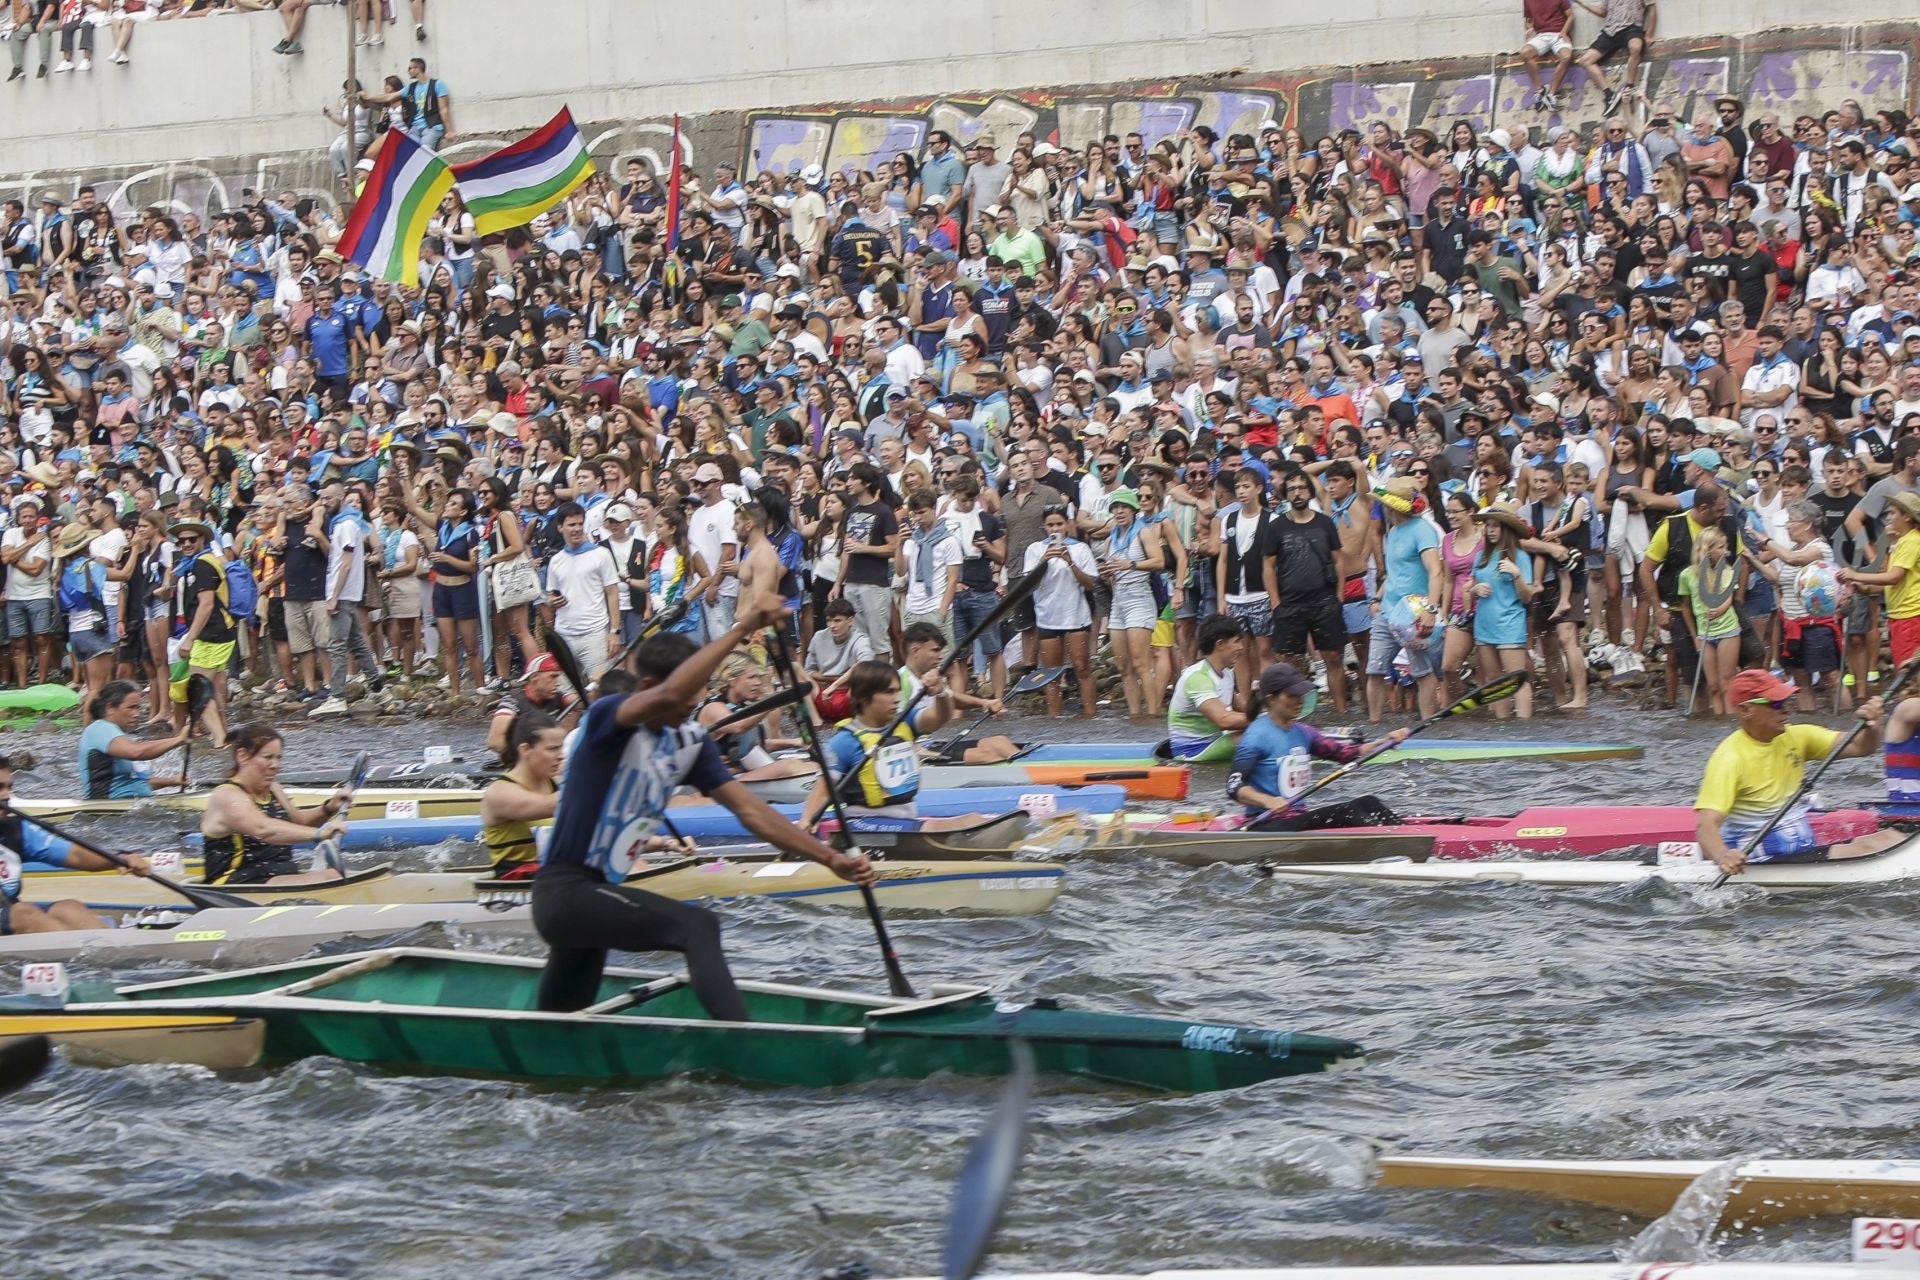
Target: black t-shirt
1303, 552
206, 575
1753, 278
870, 524
305, 564
1834, 510
1447, 246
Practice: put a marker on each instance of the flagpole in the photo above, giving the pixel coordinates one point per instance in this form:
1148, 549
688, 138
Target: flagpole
353, 102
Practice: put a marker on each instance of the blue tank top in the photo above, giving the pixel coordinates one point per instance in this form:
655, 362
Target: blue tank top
104, 775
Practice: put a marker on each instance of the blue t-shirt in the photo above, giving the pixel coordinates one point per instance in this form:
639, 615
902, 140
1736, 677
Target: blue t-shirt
106, 776
1406, 571
1264, 745
1501, 618
329, 335
619, 781
34, 850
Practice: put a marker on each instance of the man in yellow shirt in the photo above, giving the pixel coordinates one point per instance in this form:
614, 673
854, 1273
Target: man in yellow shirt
1760, 766
1901, 577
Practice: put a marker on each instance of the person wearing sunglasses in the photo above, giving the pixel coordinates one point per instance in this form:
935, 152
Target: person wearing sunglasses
1761, 765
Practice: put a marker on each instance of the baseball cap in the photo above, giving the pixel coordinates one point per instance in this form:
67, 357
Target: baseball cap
1706, 459
709, 472
542, 664
620, 511
1284, 677
1758, 686
502, 291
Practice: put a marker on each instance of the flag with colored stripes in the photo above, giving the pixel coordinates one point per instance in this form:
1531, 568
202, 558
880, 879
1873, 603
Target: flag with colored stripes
509, 187
406, 186
670, 268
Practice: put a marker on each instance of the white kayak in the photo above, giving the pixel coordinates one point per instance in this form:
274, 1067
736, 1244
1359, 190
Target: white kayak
1501, 1271
1761, 1192
259, 935
1796, 874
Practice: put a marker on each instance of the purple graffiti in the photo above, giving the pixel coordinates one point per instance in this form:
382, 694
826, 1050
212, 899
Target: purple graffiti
1688, 77
779, 146
1233, 107
1159, 120
1470, 100
1352, 105
901, 135
1887, 71
1775, 80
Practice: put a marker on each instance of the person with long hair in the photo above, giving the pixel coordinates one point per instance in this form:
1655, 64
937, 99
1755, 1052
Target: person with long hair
525, 794
1460, 547
249, 827
1629, 474
456, 600
677, 574
1711, 585
115, 765
1134, 552
1503, 587
504, 541
1062, 613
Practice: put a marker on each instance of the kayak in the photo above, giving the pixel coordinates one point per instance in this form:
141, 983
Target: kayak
1003, 836
988, 888
716, 822
1143, 779
1497, 1270
1798, 872
368, 802
1196, 846
200, 1040
37, 699
1454, 750
1153, 781
419, 1009
254, 935
1761, 1192
1550, 830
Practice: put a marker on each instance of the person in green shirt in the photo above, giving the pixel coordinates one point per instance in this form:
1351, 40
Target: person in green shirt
1501, 278
1016, 244
754, 333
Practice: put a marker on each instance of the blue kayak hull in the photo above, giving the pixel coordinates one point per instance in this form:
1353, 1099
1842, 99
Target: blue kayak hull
714, 822
1455, 750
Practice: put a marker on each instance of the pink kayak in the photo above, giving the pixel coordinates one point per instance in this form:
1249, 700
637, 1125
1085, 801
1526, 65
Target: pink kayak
1577, 830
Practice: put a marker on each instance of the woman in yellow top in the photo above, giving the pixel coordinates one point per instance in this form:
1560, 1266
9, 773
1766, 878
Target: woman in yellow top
250, 826
1901, 577
524, 795
1711, 585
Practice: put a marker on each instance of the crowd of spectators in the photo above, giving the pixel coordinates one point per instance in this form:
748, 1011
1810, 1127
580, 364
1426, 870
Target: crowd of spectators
1405, 405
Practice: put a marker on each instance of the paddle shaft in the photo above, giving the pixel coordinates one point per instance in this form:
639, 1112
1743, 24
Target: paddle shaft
327, 852
1900, 677
1017, 590
194, 712
198, 897
896, 976
1474, 699
1038, 678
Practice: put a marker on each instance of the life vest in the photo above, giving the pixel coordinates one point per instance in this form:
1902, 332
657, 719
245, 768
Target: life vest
1680, 553
888, 774
12, 859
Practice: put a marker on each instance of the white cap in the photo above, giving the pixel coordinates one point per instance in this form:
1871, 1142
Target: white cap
1500, 138
619, 511
812, 174
502, 291
788, 271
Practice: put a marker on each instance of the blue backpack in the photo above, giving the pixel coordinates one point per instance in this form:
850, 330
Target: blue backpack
242, 594
76, 587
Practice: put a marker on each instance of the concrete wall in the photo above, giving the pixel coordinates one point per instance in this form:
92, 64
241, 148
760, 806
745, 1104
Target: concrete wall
206, 108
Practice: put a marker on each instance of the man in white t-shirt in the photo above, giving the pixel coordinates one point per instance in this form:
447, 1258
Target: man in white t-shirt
930, 556
27, 552
710, 532
346, 589
583, 586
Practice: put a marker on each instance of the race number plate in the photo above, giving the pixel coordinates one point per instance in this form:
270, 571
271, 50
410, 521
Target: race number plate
1889, 1243
47, 980
168, 862
403, 809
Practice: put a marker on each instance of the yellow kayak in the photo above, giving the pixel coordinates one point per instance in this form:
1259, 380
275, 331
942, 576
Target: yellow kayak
120, 1038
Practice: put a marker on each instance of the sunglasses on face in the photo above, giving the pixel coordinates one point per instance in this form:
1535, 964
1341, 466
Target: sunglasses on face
1778, 704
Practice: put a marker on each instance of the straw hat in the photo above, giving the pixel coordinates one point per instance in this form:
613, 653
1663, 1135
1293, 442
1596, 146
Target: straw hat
200, 527
1507, 517
1402, 494
44, 473
72, 538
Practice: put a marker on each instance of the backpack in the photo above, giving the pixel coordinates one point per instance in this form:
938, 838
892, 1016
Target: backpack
239, 592
76, 588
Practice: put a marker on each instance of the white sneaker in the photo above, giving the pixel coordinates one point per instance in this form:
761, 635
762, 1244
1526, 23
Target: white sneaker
86, 64
378, 38
331, 707
121, 57
62, 65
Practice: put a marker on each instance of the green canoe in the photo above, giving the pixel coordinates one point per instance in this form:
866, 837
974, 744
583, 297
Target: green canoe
424, 1010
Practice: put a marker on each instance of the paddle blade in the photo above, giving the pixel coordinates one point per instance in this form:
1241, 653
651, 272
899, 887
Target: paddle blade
1038, 678
205, 898
22, 1061
569, 665
1489, 693
362, 766
986, 1178
199, 696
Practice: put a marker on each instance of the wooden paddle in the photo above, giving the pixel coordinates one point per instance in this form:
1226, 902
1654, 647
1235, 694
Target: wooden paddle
1472, 700
1899, 678
327, 852
1017, 590
1036, 678
199, 697
197, 896
986, 1176
22, 1061
896, 976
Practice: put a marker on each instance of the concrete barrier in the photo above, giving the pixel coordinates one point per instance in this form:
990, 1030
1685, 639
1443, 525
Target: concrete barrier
206, 110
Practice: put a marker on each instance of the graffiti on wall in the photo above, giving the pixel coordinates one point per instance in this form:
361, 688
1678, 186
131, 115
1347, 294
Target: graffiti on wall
1787, 72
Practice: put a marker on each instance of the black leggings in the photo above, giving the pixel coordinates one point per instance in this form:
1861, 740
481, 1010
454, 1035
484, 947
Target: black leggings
1367, 811
581, 917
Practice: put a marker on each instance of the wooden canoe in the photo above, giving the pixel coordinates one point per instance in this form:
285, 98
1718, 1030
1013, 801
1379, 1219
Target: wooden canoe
1763, 1192
115, 1038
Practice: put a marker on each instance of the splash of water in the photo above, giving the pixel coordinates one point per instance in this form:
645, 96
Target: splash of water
1685, 1233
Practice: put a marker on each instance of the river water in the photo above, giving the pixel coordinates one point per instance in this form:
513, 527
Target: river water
1501, 1020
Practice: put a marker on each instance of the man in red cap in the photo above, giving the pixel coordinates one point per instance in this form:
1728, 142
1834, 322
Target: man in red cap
539, 691
1760, 767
